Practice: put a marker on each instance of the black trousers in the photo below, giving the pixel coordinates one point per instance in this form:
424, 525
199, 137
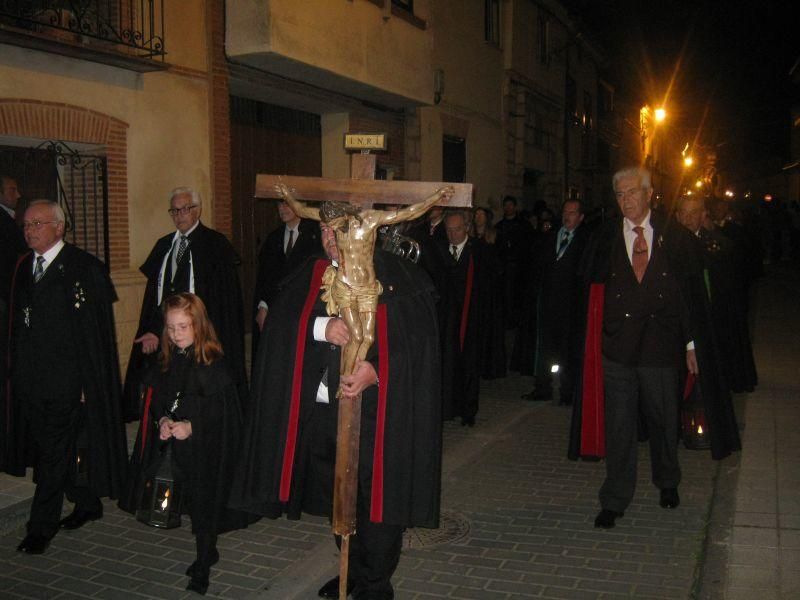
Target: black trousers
54, 426
656, 392
374, 555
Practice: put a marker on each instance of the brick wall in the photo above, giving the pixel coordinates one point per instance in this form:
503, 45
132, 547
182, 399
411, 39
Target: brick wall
220, 127
53, 121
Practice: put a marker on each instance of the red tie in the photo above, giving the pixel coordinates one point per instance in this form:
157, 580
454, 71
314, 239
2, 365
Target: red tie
639, 254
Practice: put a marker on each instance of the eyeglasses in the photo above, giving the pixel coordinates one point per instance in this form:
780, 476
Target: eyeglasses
181, 211
36, 224
620, 194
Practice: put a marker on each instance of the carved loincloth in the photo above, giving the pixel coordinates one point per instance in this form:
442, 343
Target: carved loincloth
337, 295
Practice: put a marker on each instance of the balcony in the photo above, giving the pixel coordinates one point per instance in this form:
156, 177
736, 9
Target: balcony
377, 51
124, 33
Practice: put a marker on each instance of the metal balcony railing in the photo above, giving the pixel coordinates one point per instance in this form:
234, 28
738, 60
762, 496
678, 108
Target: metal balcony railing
134, 27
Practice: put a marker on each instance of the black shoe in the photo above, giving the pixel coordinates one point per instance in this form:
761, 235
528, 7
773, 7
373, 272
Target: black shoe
199, 581
213, 559
79, 518
539, 395
331, 589
33, 544
669, 498
605, 518
468, 421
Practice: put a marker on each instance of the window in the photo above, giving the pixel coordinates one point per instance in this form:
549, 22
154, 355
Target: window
544, 41
492, 22
571, 101
454, 159
538, 131
605, 101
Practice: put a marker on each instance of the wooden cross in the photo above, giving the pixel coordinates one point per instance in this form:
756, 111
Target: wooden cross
362, 189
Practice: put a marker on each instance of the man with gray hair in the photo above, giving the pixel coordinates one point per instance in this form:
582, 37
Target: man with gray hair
643, 277
62, 325
195, 259
463, 276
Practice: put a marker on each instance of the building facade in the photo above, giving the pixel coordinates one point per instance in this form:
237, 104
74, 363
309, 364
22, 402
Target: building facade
205, 93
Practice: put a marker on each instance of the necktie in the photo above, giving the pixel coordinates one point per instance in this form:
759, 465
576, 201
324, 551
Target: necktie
639, 254
290, 243
38, 272
454, 252
181, 249
564, 243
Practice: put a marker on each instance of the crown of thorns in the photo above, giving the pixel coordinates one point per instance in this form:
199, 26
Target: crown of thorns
330, 210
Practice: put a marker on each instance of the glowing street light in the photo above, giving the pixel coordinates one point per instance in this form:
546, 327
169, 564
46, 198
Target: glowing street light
729, 193
688, 161
660, 114
698, 184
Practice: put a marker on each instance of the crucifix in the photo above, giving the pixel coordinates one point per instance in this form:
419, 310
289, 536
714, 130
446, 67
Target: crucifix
351, 289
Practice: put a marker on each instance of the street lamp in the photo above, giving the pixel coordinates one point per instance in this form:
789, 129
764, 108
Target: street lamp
648, 119
688, 161
698, 184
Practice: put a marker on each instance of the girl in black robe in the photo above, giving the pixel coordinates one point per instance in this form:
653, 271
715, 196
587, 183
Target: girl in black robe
191, 402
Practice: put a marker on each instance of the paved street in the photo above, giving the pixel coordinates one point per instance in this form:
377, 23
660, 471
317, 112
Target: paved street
518, 516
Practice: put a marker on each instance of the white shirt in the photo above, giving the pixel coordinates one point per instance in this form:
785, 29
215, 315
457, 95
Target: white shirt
630, 235
160, 284
296, 230
48, 256
459, 248
11, 212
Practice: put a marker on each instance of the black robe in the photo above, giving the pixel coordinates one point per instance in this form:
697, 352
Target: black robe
289, 444
207, 459
274, 264
12, 245
216, 282
551, 322
728, 310
465, 289
680, 249
492, 333
88, 296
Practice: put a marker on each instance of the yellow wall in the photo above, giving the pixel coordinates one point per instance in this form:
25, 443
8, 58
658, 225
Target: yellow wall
335, 159
345, 39
471, 105
167, 137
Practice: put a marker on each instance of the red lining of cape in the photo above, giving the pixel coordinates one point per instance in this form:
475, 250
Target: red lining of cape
145, 418
297, 380
593, 438
376, 504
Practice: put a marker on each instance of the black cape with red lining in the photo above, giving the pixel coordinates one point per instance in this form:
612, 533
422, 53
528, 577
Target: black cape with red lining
684, 255
406, 357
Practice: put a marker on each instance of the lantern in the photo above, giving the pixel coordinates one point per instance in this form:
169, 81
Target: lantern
162, 496
694, 428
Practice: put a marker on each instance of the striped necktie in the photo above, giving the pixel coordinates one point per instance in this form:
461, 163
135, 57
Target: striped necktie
38, 272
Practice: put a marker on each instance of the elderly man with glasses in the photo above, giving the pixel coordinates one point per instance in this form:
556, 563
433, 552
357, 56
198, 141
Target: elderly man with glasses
64, 384
196, 259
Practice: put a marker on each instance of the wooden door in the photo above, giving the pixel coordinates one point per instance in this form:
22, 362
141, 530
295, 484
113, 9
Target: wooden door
265, 139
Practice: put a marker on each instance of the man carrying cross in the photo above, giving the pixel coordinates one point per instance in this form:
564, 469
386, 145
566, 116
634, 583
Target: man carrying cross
288, 461
351, 288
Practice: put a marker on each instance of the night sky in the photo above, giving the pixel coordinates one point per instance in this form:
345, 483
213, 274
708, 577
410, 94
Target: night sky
732, 78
